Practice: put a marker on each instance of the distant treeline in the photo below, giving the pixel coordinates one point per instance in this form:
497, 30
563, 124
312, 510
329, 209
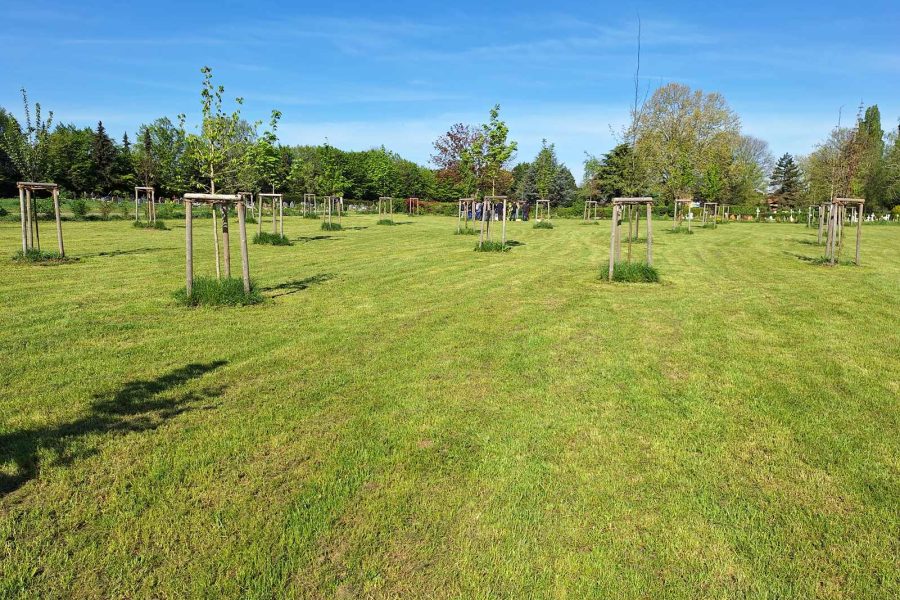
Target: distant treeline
679, 143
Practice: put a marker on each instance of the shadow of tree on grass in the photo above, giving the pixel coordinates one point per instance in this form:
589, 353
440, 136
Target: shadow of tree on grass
297, 285
129, 252
139, 405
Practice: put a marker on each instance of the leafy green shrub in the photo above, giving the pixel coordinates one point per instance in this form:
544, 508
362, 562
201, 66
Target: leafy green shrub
326, 226
160, 225
274, 239
209, 291
34, 256
79, 208
466, 231
491, 246
543, 225
105, 210
385, 222
680, 229
3, 212
635, 272
311, 216
45, 209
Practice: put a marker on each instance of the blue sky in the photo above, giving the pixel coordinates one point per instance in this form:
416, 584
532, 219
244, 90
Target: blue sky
364, 74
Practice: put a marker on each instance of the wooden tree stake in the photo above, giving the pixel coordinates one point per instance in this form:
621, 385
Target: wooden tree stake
22, 219
612, 240
189, 247
245, 257
59, 236
226, 241
216, 242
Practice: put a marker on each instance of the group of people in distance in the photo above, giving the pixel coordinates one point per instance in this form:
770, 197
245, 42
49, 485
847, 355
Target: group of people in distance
515, 211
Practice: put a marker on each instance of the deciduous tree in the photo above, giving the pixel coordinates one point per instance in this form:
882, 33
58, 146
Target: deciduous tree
26, 146
498, 152
681, 133
219, 147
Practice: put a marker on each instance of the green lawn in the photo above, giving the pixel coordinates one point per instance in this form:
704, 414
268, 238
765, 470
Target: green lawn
406, 417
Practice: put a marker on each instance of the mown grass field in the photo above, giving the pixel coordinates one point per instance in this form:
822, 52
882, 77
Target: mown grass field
404, 417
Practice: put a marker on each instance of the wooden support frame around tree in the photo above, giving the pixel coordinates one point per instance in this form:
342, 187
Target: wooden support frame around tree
310, 199
277, 202
518, 211
619, 207
466, 207
413, 206
332, 205
680, 205
488, 208
822, 210
385, 208
590, 210
541, 209
837, 214
223, 202
149, 195
710, 213
249, 204
31, 232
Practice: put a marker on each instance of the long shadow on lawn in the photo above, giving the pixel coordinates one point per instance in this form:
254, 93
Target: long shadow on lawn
297, 285
137, 406
315, 238
820, 260
127, 252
